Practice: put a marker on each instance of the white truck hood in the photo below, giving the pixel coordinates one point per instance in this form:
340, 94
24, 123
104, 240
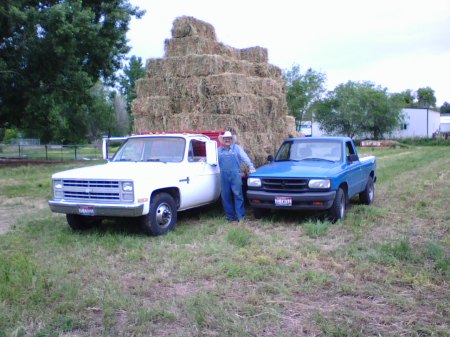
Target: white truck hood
120, 171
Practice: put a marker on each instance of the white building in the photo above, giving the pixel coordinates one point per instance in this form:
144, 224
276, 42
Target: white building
445, 123
418, 122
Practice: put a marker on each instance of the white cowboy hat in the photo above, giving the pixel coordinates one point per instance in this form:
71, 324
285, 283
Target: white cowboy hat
227, 134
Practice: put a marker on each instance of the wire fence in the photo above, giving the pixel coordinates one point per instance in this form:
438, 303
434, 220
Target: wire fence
50, 152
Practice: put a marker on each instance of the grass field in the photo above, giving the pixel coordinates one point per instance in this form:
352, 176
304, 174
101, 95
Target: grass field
383, 271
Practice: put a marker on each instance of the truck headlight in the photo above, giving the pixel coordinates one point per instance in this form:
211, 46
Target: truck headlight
127, 191
127, 186
57, 184
253, 182
58, 189
319, 183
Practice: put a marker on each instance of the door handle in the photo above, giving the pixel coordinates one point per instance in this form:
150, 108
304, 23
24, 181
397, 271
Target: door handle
186, 180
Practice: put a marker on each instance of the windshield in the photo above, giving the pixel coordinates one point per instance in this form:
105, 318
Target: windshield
147, 149
309, 150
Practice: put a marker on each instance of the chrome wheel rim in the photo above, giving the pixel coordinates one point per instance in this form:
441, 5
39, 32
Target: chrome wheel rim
371, 192
163, 215
342, 208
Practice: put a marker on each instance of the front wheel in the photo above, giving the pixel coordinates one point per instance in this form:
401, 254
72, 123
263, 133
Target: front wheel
337, 210
82, 222
366, 197
162, 216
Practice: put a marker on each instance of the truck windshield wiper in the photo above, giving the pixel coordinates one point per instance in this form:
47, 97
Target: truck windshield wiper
153, 159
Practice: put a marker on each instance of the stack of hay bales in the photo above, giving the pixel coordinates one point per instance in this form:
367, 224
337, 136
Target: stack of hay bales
201, 84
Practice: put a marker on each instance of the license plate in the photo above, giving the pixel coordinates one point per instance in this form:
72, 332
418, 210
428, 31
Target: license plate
283, 201
86, 210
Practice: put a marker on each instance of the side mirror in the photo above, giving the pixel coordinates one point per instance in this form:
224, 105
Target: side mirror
352, 158
211, 153
105, 146
270, 158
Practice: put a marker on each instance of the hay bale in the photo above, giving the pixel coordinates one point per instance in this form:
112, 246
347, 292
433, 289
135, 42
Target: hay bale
186, 66
152, 106
255, 55
228, 51
173, 86
206, 65
186, 26
190, 45
227, 83
180, 105
233, 104
226, 93
271, 87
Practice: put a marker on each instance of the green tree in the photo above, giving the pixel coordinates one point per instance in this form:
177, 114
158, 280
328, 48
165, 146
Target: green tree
52, 52
132, 72
9, 135
406, 98
102, 118
359, 109
445, 108
426, 98
303, 91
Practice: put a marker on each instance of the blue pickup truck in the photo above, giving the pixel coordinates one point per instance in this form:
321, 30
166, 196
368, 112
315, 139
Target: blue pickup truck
315, 174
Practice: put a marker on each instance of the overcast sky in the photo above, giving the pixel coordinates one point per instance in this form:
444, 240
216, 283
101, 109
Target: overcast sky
397, 44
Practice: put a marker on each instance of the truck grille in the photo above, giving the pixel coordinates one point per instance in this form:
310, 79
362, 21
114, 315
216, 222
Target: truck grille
285, 185
92, 190
91, 183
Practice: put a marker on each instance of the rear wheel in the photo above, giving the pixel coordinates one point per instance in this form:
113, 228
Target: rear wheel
337, 210
82, 222
162, 217
366, 197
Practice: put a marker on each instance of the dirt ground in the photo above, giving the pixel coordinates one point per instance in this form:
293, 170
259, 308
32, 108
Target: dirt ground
12, 209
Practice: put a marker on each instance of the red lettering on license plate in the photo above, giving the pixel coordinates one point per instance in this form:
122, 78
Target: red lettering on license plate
283, 201
86, 210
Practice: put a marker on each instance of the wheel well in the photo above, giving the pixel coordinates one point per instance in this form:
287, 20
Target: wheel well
344, 187
173, 191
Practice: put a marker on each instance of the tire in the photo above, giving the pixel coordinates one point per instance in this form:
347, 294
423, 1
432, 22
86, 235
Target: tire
81, 222
337, 210
162, 216
366, 197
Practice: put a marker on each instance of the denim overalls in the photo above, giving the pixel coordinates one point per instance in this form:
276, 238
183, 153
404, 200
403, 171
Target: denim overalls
231, 182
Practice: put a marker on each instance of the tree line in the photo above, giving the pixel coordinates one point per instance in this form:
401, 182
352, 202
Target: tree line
64, 74
352, 108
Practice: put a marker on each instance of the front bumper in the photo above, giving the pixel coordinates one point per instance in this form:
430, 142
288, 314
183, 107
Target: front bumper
102, 210
300, 201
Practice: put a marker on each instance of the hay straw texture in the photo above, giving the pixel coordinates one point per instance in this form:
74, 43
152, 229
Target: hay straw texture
202, 84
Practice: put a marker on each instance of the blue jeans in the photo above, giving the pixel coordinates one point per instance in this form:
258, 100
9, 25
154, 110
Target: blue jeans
232, 196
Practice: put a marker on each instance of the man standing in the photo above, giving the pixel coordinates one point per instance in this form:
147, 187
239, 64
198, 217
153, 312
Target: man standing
231, 155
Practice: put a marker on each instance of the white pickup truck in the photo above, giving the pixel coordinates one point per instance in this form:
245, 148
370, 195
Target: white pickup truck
150, 178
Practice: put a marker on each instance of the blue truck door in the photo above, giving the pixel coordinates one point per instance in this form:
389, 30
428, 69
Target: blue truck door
355, 173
